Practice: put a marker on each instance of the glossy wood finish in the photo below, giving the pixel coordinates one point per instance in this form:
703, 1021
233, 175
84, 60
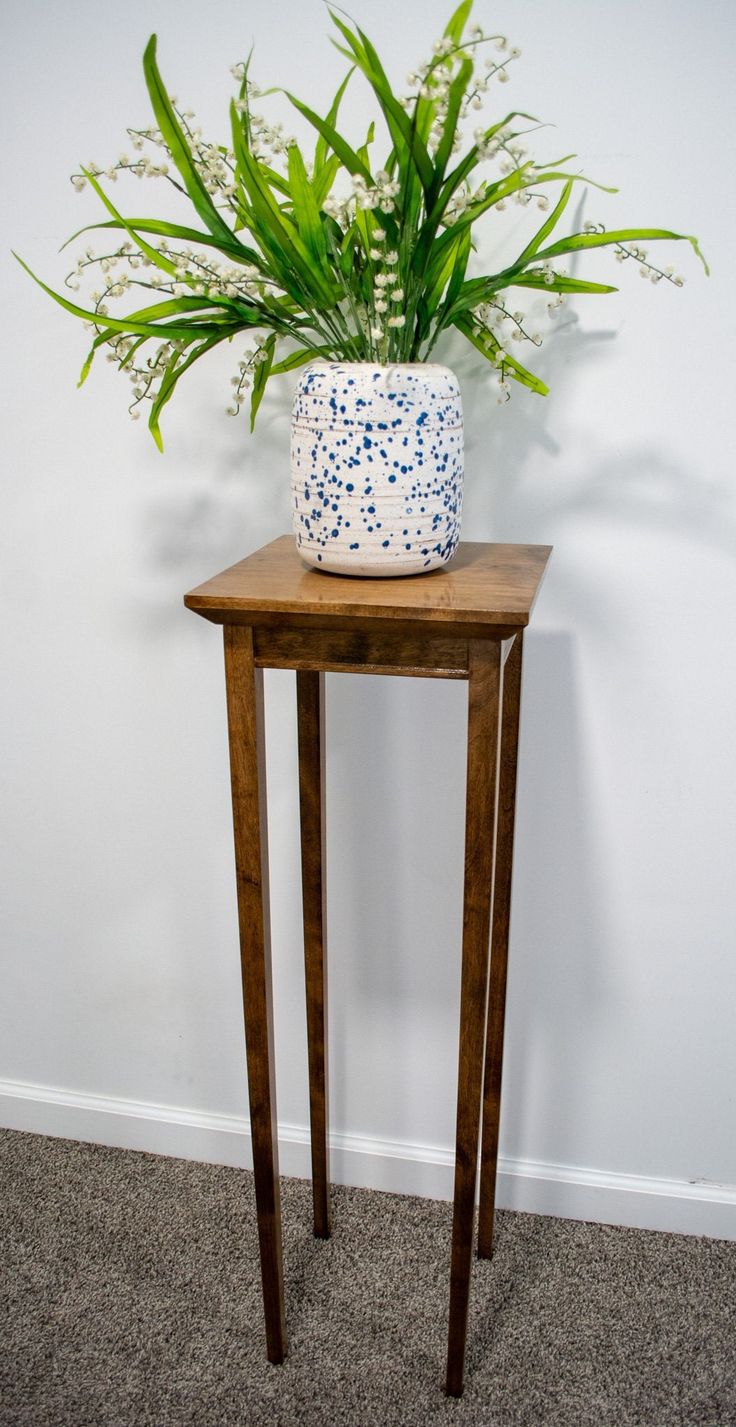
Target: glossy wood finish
310, 721
489, 588
484, 696
499, 944
464, 621
248, 778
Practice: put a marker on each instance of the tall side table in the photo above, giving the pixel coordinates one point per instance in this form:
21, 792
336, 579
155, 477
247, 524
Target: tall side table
465, 621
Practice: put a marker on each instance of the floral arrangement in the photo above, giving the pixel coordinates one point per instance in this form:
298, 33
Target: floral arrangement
335, 258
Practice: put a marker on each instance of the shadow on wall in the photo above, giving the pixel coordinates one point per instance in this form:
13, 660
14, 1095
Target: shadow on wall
563, 982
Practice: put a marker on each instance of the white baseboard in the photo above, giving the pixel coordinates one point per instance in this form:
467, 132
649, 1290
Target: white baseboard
677, 1206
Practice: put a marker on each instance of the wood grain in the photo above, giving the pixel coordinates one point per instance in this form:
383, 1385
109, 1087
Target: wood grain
244, 685
362, 651
484, 585
310, 722
499, 945
484, 692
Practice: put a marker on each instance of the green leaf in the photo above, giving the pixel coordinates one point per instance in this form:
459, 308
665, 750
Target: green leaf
263, 371
320, 152
547, 226
116, 324
299, 358
178, 146
400, 126
459, 266
291, 258
347, 156
559, 284
466, 166
488, 346
457, 22
234, 248
306, 211
577, 241
454, 103
151, 253
175, 369
322, 183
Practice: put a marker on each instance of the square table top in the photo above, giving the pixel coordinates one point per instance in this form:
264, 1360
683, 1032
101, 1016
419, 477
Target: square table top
486, 588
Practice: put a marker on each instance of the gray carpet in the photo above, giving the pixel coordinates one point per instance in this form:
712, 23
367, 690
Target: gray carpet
131, 1296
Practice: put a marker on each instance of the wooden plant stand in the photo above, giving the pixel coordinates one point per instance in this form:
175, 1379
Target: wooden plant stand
463, 622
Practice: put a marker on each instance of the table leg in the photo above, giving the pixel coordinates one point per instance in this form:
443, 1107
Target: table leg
499, 944
485, 676
310, 719
248, 777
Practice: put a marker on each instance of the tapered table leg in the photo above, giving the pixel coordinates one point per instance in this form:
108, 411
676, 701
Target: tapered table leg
499, 944
484, 696
247, 771
310, 719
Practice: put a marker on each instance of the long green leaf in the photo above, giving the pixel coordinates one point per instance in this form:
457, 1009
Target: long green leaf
306, 211
178, 146
296, 268
347, 156
322, 183
444, 315
457, 22
299, 358
233, 248
558, 284
454, 103
321, 147
114, 324
174, 371
488, 346
263, 371
400, 126
151, 253
578, 241
471, 160
547, 227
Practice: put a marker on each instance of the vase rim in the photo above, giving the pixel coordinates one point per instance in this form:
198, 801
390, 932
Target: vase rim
380, 366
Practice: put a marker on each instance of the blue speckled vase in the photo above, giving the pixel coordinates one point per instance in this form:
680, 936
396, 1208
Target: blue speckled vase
377, 467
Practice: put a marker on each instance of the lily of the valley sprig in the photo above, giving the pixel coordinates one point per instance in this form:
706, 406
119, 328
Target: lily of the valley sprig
336, 255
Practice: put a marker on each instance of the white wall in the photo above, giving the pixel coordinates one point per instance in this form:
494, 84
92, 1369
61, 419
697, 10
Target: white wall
121, 989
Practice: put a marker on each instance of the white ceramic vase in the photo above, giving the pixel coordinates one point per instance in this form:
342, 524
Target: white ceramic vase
377, 467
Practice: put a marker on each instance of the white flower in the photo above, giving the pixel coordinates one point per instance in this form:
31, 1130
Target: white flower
379, 235
515, 52
501, 42
392, 258
397, 321
397, 295
502, 76
543, 202
375, 254
390, 279
376, 333
380, 305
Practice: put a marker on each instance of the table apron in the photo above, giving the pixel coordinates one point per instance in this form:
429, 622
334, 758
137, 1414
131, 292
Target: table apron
360, 651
